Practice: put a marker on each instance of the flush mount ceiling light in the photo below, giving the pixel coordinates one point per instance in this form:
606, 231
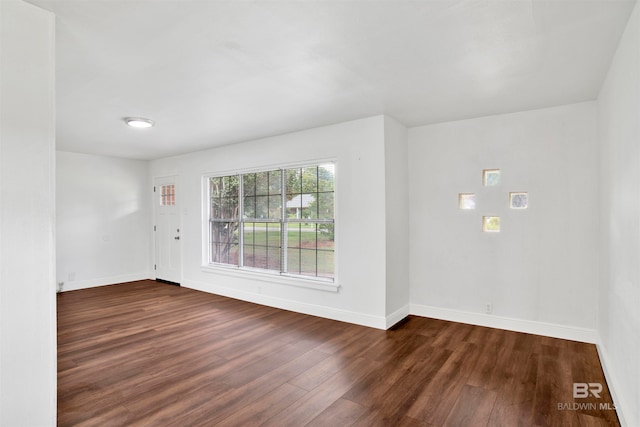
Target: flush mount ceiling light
139, 122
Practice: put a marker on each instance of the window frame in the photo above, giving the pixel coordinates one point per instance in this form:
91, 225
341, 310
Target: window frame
281, 275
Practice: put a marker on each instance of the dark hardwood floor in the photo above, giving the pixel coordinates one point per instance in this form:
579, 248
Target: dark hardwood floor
151, 354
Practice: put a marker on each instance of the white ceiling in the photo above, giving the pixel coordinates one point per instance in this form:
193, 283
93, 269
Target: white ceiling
218, 72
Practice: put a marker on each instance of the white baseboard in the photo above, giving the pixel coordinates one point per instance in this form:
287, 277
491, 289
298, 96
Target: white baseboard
377, 322
508, 323
397, 316
612, 382
92, 283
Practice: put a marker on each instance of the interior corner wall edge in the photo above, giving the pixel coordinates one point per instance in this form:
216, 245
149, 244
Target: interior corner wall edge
619, 237
396, 197
27, 210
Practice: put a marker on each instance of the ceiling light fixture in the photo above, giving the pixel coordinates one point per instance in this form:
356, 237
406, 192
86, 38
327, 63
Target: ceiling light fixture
139, 122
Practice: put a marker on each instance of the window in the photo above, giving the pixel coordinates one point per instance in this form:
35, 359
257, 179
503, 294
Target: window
466, 201
224, 207
167, 195
518, 200
490, 177
491, 224
281, 221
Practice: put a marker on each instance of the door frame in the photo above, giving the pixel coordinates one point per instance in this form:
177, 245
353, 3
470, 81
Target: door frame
154, 211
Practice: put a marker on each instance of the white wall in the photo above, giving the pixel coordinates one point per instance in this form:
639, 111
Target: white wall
27, 207
103, 220
358, 148
539, 272
619, 154
397, 220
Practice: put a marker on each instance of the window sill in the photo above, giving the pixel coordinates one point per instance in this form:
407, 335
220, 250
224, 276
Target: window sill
278, 278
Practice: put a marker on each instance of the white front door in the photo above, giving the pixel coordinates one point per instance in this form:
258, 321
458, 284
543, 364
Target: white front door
168, 248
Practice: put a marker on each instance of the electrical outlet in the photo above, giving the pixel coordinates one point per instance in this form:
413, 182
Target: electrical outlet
489, 308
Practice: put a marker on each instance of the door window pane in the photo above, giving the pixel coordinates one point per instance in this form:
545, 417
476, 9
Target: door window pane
167, 195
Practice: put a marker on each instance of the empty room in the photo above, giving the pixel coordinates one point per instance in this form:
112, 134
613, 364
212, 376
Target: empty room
291, 213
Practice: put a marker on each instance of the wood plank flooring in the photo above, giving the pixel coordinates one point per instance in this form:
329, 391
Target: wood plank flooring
151, 354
